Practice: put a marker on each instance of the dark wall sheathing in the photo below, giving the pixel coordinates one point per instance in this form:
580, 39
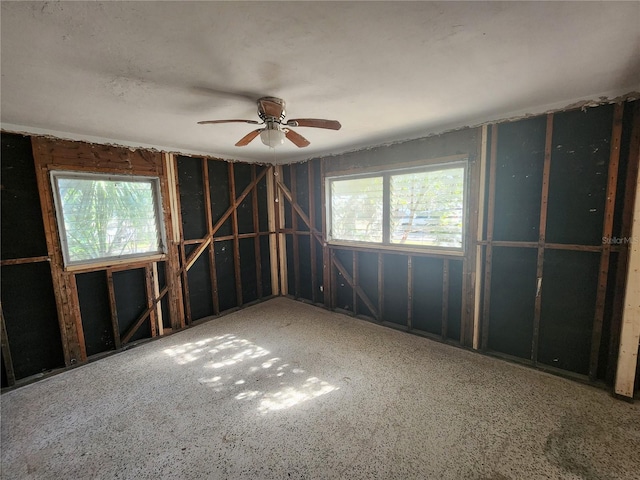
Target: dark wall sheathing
578, 180
368, 280
395, 303
225, 275
21, 226
344, 292
454, 310
568, 307
93, 294
513, 287
265, 262
427, 294
200, 288
31, 318
263, 215
248, 273
190, 182
131, 301
219, 193
519, 165
304, 254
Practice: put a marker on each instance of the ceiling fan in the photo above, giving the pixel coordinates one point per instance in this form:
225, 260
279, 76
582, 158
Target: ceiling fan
271, 112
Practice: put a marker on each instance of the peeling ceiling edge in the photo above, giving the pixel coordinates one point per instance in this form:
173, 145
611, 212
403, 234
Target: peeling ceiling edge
583, 104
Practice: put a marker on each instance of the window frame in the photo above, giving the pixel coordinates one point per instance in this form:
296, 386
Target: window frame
156, 189
386, 174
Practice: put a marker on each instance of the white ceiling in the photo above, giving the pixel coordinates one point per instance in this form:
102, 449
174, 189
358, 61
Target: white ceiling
143, 73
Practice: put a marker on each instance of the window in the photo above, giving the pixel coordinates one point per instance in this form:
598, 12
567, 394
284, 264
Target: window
419, 207
105, 217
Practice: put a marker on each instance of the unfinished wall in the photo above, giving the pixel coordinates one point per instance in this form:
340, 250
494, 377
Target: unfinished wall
218, 255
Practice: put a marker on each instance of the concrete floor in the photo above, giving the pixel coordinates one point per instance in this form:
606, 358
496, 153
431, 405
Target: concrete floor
286, 390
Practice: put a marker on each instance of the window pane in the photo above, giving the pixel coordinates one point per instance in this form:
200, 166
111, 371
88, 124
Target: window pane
427, 208
108, 218
356, 209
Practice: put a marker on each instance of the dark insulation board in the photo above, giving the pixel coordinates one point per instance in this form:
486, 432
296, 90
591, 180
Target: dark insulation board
578, 177
248, 270
319, 271
512, 303
200, 288
225, 274
519, 167
242, 175
603, 359
344, 292
302, 192
286, 180
368, 280
395, 289
569, 286
131, 301
166, 313
317, 192
263, 216
21, 227
3, 378
427, 294
265, 261
31, 318
304, 254
219, 193
190, 182
93, 295
454, 315
291, 270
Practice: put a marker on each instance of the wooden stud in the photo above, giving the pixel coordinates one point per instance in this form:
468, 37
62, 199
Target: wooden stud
380, 287
544, 201
22, 261
156, 294
489, 249
153, 321
480, 238
256, 229
294, 224
631, 177
206, 185
115, 328
445, 298
312, 240
607, 230
272, 215
281, 237
409, 292
236, 241
630, 332
6, 351
326, 265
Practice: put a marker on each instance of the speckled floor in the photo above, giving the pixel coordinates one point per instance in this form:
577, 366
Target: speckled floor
284, 390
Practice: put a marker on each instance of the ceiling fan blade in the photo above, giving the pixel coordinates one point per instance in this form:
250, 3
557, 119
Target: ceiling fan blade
270, 107
315, 122
296, 138
244, 141
228, 121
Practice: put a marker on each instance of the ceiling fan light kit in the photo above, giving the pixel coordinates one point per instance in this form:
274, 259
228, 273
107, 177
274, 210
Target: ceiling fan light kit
271, 111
